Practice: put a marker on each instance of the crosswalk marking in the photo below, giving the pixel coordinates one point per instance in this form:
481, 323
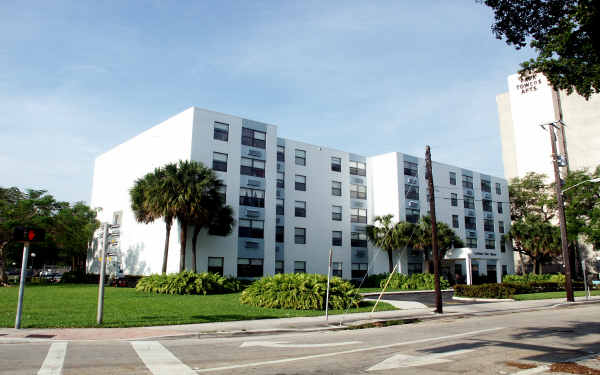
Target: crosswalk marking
53, 364
159, 360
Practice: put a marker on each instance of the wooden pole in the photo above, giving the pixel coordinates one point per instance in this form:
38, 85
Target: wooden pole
434, 239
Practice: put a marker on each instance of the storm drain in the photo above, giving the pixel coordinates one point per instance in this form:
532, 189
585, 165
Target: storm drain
36, 336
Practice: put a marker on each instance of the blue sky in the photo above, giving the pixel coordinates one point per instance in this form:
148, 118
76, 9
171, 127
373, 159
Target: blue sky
77, 78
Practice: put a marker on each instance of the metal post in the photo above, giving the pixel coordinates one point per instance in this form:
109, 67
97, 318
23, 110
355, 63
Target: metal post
328, 278
434, 240
101, 277
561, 218
22, 284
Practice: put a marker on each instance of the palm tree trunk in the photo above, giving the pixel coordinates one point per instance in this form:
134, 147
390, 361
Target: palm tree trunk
194, 239
534, 266
168, 224
183, 242
390, 261
427, 268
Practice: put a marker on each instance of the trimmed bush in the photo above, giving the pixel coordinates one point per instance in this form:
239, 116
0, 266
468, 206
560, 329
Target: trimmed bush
300, 291
373, 281
484, 291
528, 278
416, 281
187, 282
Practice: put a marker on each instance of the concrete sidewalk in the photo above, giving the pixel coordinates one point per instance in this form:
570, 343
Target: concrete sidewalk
266, 326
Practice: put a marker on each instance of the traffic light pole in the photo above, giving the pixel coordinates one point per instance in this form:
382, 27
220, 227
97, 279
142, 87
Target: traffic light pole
22, 284
101, 277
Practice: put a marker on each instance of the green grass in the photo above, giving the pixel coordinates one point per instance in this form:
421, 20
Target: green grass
75, 306
549, 295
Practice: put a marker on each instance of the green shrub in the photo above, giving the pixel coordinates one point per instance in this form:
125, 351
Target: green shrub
416, 281
187, 282
528, 278
374, 281
300, 291
484, 291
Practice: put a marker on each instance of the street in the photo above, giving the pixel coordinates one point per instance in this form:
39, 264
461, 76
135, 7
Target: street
500, 344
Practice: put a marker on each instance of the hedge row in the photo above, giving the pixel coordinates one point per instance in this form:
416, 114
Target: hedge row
416, 281
187, 282
529, 277
508, 290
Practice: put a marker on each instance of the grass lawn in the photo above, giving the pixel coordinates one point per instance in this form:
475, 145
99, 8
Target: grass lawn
532, 296
75, 306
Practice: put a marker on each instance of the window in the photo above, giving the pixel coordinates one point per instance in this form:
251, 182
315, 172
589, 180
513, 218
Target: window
336, 188
501, 226
359, 270
215, 265
490, 243
300, 209
251, 228
300, 182
503, 244
252, 167
252, 197
452, 178
454, 199
279, 233
357, 168
279, 266
251, 245
336, 238
411, 192
412, 215
336, 269
250, 267
221, 131
504, 270
411, 169
299, 235
469, 202
117, 216
472, 243
488, 225
299, 267
470, 223
280, 180
300, 157
498, 188
499, 207
280, 153
467, 182
279, 208
223, 191
219, 162
486, 186
487, 205
336, 213
358, 239
358, 191
358, 215
336, 164
455, 221
415, 268
254, 138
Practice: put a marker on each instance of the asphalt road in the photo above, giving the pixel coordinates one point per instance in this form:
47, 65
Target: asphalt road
475, 345
426, 298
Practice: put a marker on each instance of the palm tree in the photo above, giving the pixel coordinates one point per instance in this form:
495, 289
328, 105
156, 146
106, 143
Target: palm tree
447, 239
390, 236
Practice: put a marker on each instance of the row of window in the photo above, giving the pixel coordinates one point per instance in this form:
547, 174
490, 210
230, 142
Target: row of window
490, 243
467, 182
357, 239
470, 223
469, 202
250, 137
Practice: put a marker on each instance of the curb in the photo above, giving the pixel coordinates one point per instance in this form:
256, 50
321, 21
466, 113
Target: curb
399, 292
471, 299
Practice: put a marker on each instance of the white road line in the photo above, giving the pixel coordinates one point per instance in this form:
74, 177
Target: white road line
285, 360
53, 364
159, 360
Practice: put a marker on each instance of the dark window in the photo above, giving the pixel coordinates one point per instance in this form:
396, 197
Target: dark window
499, 207
223, 191
412, 215
452, 178
504, 270
280, 180
472, 243
299, 267
415, 268
498, 188
358, 239
299, 235
411, 192
470, 223
336, 188
279, 266
487, 205
279, 208
502, 244
454, 199
336, 269
358, 191
336, 213
336, 164
221, 131
250, 267
411, 169
300, 209
252, 197
501, 226
251, 228
215, 265
467, 182
359, 270
252, 167
358, 215
488, 225
279, 233
455, 221
219, 162
469, 202
358, 168
300, 182
336, 238
280, 153
490, 244
254, 138
486, 186
300, 157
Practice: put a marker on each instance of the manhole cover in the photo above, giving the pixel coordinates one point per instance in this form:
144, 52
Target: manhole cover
34, 336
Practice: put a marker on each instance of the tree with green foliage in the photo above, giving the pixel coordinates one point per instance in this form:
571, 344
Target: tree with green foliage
582, 210
389, 236
564, 33
422, 240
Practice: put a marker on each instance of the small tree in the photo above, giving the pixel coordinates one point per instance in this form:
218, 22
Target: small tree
447, 239
390, 236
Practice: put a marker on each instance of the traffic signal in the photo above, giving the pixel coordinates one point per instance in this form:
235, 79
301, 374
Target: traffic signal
25, 234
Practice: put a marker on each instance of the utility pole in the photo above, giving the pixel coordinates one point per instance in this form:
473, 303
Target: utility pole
434, 239
561, 217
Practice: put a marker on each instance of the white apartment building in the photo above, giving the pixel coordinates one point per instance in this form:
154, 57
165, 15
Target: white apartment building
294, 201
